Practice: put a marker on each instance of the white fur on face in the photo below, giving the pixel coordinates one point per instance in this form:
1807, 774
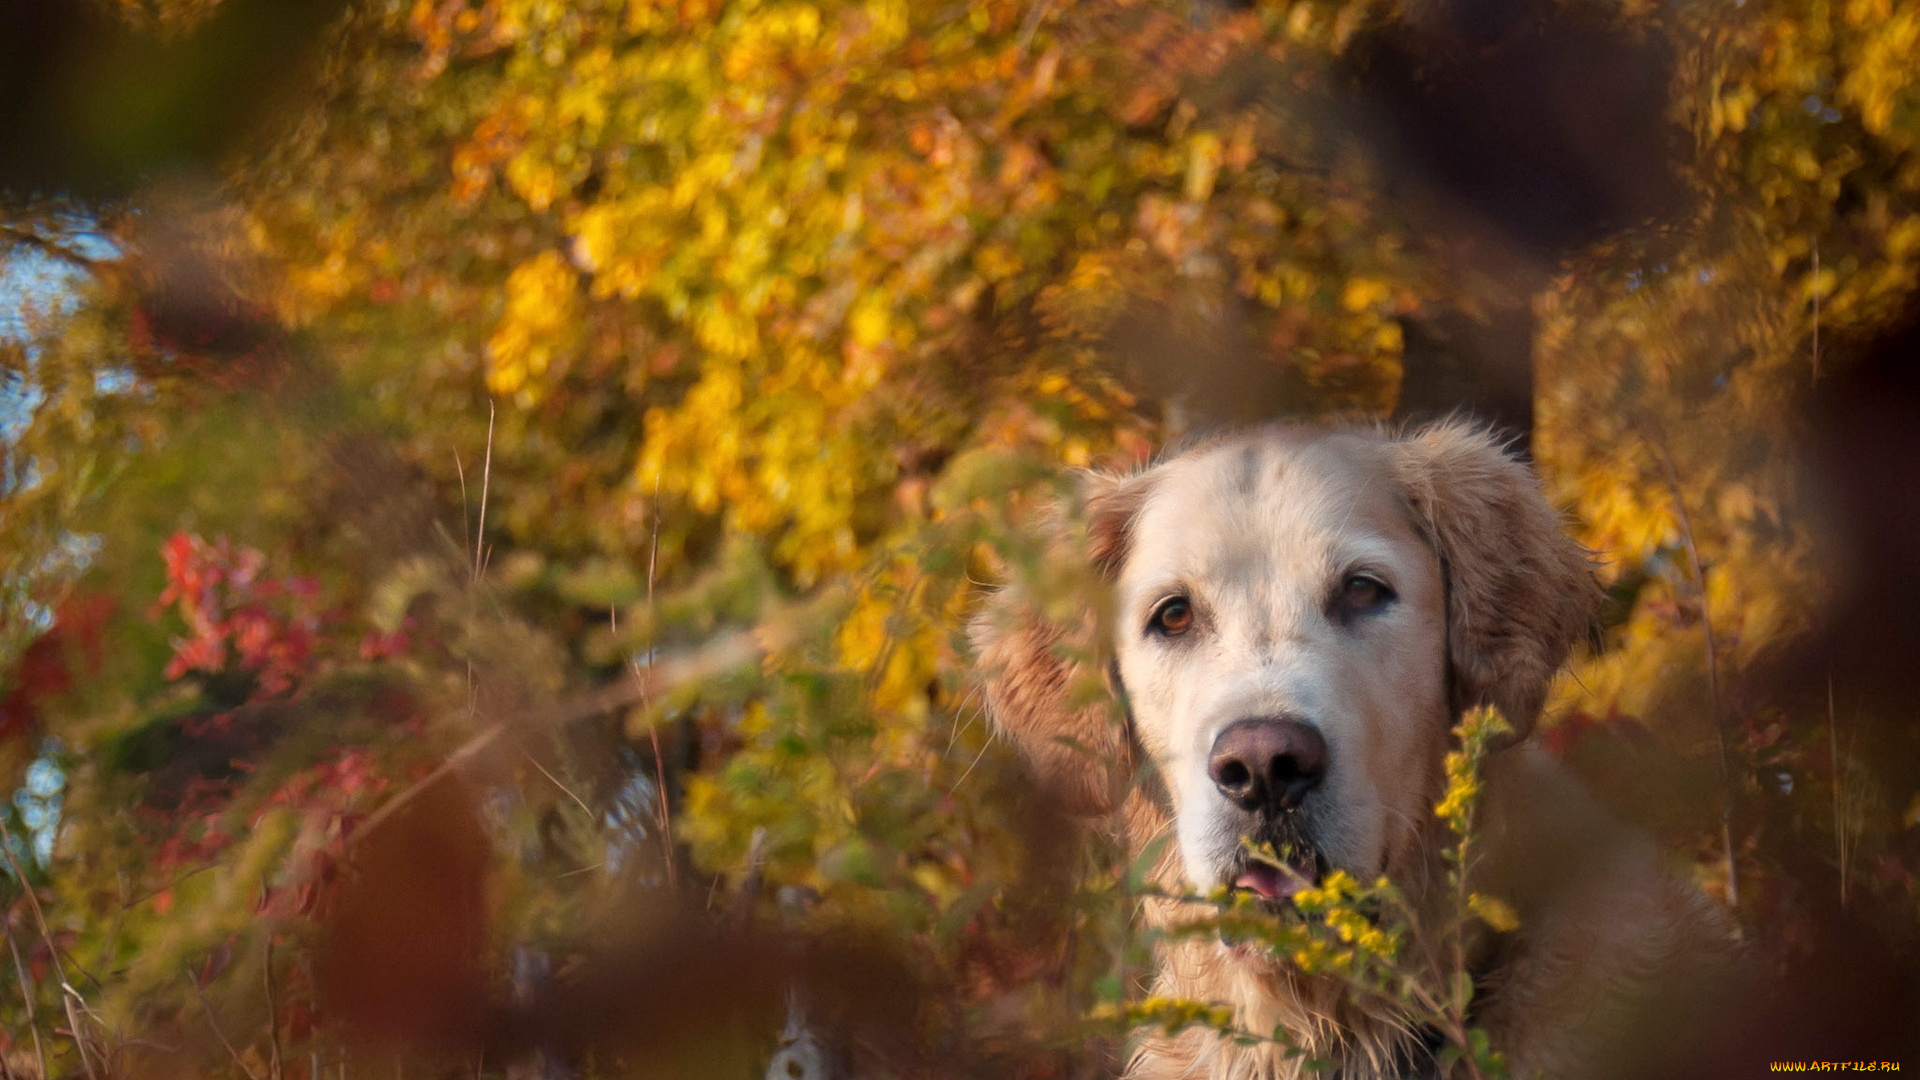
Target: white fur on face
1260, 534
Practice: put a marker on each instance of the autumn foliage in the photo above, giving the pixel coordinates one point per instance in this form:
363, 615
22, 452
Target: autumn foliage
485, 552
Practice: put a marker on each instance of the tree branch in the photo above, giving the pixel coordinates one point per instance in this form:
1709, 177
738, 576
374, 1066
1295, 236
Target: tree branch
15, 235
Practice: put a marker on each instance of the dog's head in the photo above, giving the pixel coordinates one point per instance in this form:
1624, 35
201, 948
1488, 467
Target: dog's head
1297, 619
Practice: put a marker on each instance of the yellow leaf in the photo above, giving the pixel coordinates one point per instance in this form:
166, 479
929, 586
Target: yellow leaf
1203, 166
1495, 912
541, 320
870, 321
1362, 293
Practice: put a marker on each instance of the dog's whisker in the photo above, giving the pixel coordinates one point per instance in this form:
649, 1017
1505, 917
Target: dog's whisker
961, 718
969, 770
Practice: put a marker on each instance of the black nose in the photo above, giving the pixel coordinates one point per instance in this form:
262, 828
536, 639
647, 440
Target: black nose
1267, 764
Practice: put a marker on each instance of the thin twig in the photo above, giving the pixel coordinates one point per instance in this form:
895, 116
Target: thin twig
1455, 1014
466, 519
479, 549
273, 1014
471, 749
29, 238
75, 1029
174, 884
1685, 522
723, 654
1839, 793
486, 479
26, 995
653, 729
68, 997
1833, 723
564, 789
753, 879
466, 527
214, 1023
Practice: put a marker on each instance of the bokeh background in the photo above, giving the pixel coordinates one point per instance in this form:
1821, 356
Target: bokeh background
490, 490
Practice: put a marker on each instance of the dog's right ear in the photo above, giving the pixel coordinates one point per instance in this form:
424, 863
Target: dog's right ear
1520, 591
1042, 654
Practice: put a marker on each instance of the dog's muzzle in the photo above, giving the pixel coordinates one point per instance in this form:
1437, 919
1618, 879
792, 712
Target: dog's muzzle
1267, 766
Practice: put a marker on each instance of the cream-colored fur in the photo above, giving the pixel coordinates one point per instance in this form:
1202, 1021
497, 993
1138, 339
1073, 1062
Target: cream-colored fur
1260, 533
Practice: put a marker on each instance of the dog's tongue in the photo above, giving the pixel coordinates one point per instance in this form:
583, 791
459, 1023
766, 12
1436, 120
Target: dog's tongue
1270, 882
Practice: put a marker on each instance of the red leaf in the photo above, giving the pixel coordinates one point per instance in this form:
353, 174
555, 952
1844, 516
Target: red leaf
217, 961
48, 667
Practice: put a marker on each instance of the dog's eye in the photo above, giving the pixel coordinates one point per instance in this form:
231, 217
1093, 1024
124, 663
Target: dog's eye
1362, 594
1173, 617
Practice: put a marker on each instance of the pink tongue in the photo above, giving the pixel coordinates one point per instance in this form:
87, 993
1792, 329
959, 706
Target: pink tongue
1269, 881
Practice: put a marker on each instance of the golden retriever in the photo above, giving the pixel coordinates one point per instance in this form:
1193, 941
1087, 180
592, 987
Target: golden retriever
1297, 620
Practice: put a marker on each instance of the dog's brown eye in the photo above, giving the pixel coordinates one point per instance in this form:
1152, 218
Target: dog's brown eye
1173, 616
1361, 594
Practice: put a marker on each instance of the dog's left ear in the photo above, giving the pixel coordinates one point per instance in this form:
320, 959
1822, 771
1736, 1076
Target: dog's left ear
1042, 657
1520, 592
